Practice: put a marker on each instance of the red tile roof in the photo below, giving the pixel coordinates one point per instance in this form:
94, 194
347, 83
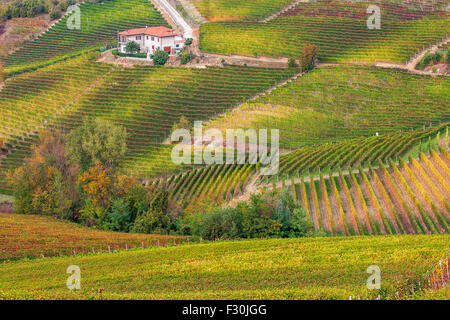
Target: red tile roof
152, 31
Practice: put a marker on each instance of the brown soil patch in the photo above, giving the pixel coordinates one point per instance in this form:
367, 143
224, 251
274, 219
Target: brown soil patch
16, 31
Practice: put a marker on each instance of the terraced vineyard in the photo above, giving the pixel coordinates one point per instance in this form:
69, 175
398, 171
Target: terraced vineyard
227, 10
35, 236
344, 102
248, 269
226, 182
250, 10
146, 100
99, 24
339, 29
214, 183
405, 198
356, 152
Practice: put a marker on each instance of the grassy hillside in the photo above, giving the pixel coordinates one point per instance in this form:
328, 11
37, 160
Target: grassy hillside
228, 10
225, 182
99, 24
360, 151
146, 100
339, 29
249, 10
33, 235
308, 268
341, 102
410, 197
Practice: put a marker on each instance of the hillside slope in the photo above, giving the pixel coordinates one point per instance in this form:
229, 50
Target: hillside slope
147, 101
334, 103
313, 268
339, 29
33, 235
98, 26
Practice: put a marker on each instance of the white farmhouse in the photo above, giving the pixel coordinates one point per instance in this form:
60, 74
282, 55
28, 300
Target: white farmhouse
150, 39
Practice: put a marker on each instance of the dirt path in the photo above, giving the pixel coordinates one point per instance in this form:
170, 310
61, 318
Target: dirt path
175, 17
253, 186
411, 65
413, 62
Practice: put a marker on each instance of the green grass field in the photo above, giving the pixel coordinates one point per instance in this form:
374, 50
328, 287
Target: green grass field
313, 268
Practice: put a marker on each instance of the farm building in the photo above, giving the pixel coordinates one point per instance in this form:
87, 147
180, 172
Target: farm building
150, 39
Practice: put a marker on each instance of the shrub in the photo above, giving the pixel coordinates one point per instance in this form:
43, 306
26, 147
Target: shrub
92, 214
271, 214
119, 218
292, 63
186, 56
137, 199
29, 8
222, 224
132, 47
152, 222
55, 14
188, 42
63, 5
133, 55
430, 59
183, 123
160, 57
157, 218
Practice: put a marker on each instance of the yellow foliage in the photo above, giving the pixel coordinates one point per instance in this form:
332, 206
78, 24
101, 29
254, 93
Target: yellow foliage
97, 184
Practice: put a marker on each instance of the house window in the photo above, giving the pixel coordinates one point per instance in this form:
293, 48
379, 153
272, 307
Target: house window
138, 37
147, 37
153, 38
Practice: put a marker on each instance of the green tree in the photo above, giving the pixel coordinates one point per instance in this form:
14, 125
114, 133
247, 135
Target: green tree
97, 141
160, 57
132, 47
